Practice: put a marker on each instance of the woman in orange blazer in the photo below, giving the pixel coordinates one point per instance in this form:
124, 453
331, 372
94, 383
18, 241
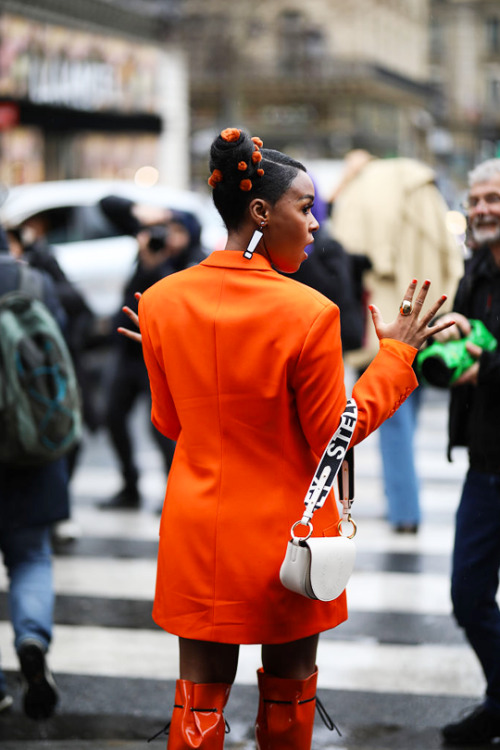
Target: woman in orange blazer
246, 374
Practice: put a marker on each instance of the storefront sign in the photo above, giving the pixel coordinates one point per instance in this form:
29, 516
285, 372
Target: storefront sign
54, 65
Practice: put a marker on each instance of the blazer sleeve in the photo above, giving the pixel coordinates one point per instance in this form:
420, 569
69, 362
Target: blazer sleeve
319, 383
163, 412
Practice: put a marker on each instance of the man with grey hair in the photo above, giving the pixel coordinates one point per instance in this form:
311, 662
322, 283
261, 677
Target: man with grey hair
475, 422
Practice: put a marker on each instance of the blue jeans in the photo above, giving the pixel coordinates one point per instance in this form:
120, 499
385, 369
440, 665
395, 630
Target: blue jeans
474, 583
401, 483
27, 555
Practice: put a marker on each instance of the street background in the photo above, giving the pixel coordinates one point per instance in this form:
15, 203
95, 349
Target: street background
133, 91
390, 676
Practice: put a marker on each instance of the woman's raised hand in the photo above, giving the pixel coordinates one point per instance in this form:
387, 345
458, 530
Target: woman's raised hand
127, 332
408, 326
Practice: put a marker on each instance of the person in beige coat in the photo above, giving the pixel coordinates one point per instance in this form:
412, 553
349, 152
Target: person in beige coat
392, 211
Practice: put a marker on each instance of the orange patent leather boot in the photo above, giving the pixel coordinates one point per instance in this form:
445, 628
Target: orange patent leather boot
286, 712
197, 719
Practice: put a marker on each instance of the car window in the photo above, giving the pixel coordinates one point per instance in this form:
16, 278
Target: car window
90, 223
78, 223
57, 220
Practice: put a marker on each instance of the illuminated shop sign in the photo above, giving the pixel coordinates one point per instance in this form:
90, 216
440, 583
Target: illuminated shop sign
54, 65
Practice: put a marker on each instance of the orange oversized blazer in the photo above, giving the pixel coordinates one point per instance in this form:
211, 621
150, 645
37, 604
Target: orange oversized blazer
246, 374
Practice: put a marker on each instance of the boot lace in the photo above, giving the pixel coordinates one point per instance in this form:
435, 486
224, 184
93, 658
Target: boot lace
166, 728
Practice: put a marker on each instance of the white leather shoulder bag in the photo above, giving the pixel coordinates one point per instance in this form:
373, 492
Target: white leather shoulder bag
320, 567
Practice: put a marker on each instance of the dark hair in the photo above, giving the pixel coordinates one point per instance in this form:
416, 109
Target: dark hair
233, 164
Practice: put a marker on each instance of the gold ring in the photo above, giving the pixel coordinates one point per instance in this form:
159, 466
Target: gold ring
406, 308
353, 526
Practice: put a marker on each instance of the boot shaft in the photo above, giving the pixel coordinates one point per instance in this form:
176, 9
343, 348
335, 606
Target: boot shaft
197, 718
286, 712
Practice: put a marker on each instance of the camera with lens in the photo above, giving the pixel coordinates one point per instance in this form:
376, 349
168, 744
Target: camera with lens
157, 238
442, 363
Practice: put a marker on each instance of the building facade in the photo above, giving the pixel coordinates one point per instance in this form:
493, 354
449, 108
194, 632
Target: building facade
465, 68
316, 78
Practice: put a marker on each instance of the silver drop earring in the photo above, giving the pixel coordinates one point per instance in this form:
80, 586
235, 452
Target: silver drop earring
256, 238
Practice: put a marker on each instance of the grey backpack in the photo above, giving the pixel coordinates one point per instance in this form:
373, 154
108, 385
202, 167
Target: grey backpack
40, 415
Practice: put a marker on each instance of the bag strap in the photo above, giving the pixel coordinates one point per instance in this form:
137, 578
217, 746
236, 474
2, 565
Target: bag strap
335, 457
31, 283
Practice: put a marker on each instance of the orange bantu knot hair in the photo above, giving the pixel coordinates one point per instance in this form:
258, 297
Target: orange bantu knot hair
256, 157
230, 134
260, 172
215, 177
258, 142
246, 185
242, 166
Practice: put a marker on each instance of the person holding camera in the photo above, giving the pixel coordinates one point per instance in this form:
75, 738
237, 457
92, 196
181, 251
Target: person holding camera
475, 423
168, 241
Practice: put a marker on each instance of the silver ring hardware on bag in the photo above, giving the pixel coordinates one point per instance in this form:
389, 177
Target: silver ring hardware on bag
319, 567
302, 538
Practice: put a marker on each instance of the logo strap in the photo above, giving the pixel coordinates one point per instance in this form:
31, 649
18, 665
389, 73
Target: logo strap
330, 464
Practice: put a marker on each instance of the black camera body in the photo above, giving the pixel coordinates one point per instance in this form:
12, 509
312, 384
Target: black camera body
158, 236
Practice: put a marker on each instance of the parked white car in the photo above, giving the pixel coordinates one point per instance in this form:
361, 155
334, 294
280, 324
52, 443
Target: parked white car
89, 248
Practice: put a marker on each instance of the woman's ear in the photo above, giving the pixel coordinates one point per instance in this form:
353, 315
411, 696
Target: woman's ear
258, 209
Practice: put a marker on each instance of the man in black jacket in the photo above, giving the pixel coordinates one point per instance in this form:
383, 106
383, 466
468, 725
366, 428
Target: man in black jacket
475, 422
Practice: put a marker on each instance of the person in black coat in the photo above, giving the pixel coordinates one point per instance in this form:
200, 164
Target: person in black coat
338, 275
475, 423
168, 241
32, 499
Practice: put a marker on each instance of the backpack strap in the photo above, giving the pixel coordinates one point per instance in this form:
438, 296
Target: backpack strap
30, 282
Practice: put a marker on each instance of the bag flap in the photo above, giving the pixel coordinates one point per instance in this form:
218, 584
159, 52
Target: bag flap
332, 563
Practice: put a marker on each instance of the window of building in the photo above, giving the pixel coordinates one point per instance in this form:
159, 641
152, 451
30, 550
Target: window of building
436, 39
302, 47
290, 41
493, 34
493, 93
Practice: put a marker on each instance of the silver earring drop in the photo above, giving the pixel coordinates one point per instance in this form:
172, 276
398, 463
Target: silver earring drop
256, 238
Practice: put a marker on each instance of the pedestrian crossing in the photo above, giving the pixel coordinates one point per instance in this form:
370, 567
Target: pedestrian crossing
399, 664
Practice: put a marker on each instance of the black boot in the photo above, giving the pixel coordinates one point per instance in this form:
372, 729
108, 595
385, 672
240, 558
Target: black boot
40, 694
128, 497
478, 728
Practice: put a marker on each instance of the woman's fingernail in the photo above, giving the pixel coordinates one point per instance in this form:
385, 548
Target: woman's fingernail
414, 281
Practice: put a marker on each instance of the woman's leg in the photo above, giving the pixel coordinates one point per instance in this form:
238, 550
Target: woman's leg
207, 671
287, 687
295, 660
204, 661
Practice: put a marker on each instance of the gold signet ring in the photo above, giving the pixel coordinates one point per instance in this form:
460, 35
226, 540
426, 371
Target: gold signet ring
406, 308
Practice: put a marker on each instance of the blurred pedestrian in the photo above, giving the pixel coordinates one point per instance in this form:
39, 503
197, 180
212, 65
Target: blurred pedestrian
334, 273
246, 374
29, 243
475, 423
168, 242
391, 211
32, 499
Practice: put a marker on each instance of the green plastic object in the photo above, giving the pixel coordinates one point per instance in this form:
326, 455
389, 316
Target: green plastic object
441, 364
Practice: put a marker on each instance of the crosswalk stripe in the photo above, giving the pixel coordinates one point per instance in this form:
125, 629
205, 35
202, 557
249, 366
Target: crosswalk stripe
114, 652
135, 579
